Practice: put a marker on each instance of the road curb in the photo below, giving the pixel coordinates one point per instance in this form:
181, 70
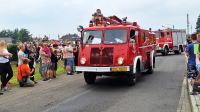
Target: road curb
188, 90
194, 99
184, 104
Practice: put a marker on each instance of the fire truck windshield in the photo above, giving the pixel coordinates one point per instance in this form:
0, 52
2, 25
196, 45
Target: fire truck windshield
92, 37
115, 36
157, 35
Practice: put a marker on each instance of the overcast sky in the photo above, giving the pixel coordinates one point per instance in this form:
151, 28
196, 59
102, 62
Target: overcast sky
53, 17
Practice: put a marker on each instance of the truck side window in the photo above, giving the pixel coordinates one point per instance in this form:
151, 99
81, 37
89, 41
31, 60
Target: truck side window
157, 35
132, 36
168, 34
162, 34
144, 36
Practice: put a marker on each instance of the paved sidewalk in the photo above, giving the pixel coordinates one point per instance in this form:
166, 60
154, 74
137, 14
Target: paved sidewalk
184, 103
195, 99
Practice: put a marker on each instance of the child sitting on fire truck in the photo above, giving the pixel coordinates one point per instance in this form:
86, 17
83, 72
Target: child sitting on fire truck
97, 17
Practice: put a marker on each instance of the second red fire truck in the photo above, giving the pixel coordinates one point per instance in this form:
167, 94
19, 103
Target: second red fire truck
170, 40
114, 47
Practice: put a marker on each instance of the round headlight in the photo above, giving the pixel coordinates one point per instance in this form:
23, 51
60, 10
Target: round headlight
83, 61
120, 60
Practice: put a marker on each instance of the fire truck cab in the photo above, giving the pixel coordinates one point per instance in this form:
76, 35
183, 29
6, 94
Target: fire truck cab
114, 47
170, 40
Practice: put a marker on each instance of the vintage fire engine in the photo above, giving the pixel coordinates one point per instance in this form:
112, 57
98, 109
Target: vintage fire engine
114, 47
170, 40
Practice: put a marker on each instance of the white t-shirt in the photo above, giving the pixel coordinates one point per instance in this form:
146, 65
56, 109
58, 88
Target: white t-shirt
21, 53
4, 59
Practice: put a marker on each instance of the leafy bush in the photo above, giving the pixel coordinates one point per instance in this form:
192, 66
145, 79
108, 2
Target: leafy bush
12, 48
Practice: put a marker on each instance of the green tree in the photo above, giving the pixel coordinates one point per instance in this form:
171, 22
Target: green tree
198, 24
6, 33
15, 35
24, 35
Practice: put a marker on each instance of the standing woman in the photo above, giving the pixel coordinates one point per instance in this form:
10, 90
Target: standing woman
5, 67
21, 54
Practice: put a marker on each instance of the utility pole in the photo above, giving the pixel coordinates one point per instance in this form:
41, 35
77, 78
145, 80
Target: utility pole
188, 24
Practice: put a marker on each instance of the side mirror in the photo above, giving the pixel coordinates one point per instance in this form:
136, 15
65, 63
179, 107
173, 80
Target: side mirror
80, 28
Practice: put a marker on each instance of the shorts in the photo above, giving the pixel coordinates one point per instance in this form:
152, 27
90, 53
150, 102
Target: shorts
43, 68
28, 83
191, 71
198, 68
53, 66
69, 62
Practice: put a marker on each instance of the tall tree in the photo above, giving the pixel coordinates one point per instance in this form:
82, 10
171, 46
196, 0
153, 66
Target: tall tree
198, 24
6, 33
15, 35
24, 35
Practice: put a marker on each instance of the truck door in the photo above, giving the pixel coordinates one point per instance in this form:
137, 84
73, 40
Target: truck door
143, 46
133, 42
162, 39
169, 39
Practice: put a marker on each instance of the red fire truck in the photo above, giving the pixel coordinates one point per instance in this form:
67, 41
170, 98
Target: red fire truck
170, 40
114, 47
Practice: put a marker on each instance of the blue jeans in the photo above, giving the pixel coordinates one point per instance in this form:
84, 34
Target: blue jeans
69, 62
43, 68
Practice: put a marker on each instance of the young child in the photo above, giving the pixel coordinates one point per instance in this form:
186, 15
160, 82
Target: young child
23, 74
54, 61
32, 65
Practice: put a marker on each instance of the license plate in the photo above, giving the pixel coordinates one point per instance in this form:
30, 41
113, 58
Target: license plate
119, 69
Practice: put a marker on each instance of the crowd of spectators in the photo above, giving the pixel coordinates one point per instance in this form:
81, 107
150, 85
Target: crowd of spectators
29, 55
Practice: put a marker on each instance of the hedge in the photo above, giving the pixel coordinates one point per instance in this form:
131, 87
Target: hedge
12, 48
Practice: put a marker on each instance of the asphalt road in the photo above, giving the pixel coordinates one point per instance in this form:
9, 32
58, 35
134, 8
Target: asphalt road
159, 92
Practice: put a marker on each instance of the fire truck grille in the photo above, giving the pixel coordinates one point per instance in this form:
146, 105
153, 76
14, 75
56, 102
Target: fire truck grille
100, 57
107, 56
95, 56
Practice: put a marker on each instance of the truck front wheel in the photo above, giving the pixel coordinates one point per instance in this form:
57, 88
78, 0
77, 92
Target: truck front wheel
165, 51
132, 78
89, 78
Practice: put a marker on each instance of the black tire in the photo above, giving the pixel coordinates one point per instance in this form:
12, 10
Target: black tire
177, 51
150, 70
165, 51
133, 78
89, 78
151, 67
